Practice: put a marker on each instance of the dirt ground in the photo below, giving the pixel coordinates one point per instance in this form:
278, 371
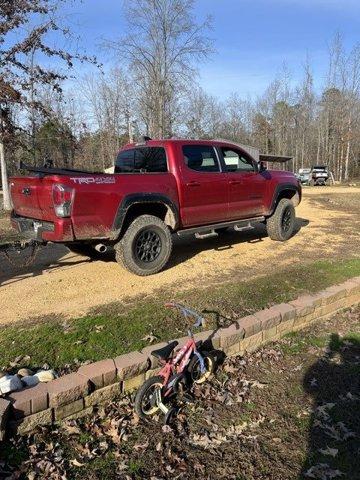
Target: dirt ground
328, 224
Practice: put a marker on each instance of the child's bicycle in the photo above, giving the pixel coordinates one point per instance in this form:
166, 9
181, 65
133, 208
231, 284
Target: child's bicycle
187, 366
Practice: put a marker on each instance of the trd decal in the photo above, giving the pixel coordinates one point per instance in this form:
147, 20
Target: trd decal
92, 180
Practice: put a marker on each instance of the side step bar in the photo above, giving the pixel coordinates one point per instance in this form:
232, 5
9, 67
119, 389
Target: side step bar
208, 231
202, 236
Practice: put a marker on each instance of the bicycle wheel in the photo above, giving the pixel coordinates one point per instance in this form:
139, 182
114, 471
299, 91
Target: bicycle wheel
145, 405
196, 375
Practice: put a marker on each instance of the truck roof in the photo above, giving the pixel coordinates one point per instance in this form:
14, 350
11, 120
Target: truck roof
161, 142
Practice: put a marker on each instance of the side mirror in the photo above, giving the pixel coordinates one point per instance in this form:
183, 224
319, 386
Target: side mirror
262, 167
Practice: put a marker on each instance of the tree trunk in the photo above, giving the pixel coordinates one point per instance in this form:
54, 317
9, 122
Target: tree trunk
346, 173
347, 158
4, 179
318, 146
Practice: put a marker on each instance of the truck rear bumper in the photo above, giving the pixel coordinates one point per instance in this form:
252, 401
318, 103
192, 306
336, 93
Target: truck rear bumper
59, 231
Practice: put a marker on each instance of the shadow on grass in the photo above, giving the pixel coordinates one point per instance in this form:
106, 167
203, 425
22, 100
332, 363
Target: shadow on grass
334, 436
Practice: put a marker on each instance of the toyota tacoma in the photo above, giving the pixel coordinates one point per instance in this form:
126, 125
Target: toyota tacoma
160, 188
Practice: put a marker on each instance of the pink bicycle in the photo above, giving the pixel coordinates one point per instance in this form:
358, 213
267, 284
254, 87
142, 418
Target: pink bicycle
188, 365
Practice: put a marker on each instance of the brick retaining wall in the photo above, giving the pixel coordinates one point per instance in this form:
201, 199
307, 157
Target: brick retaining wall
76, 394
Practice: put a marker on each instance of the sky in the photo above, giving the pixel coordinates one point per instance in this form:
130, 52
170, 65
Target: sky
252, 38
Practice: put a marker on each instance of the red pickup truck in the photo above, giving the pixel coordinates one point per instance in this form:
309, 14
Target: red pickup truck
159, 188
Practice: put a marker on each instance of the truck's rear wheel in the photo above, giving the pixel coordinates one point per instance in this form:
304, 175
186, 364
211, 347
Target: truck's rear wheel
146, 246
280, 226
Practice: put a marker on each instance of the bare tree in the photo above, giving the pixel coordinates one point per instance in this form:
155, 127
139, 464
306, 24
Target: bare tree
24, 29
203, 115
111, 109
162, 45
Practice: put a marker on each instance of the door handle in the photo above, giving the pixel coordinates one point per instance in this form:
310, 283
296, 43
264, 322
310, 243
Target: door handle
193, 184
234, 182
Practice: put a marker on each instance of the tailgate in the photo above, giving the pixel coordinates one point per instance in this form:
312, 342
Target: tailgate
32, 197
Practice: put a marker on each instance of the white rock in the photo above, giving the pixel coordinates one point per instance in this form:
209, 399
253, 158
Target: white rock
45, 375
30, 380
5, 377
10, 383
25, 372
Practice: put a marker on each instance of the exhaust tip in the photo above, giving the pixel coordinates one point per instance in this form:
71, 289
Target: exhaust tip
101, 248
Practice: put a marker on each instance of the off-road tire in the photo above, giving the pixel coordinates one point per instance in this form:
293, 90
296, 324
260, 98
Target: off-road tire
128, 250
157, 380
84, 249
276, 228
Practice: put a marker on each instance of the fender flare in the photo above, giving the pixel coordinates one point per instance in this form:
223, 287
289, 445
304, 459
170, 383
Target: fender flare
141, 198
277, 193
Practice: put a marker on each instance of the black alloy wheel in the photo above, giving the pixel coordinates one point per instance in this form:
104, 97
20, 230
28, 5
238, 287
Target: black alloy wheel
147, 245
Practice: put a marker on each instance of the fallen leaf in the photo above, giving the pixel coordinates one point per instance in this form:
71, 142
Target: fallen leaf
322, 471
139, 447
332, 452
76, 463
150, 338
99, 328
71, 429
257, 384
313, 382
166, 429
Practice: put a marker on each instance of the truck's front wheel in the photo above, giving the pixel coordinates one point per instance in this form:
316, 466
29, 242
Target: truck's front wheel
146, 246
280, 226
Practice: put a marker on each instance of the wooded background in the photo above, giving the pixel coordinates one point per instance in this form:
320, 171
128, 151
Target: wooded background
153, 89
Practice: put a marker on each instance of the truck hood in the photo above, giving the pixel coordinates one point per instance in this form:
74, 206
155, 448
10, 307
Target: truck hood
282, 175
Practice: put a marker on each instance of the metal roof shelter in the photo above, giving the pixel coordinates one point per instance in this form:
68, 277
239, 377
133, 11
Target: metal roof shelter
278, 162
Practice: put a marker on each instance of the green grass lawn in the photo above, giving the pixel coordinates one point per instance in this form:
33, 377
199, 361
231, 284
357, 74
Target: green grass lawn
115, 329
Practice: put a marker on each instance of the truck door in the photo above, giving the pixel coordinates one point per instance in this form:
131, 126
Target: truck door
203, 188
247, 187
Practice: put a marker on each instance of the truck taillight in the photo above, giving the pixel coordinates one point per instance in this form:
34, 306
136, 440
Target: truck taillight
63, 197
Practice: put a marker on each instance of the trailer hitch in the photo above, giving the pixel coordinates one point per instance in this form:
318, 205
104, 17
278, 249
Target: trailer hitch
17, 247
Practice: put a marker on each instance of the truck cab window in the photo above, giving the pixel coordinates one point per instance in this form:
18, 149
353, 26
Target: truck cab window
125, 162
201, 158
151, 159
237, 161
142, 160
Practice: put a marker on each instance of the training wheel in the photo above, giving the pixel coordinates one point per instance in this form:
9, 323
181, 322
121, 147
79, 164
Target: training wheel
171, 414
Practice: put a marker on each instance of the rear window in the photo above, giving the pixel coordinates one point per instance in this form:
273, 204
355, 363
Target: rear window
142, 160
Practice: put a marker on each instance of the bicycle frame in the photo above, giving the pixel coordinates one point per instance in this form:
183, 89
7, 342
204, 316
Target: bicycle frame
178, 364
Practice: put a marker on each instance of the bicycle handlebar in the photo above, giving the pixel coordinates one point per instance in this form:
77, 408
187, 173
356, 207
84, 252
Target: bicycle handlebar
187, 312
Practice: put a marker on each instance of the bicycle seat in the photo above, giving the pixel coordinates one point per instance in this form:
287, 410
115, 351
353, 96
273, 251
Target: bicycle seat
165, 352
